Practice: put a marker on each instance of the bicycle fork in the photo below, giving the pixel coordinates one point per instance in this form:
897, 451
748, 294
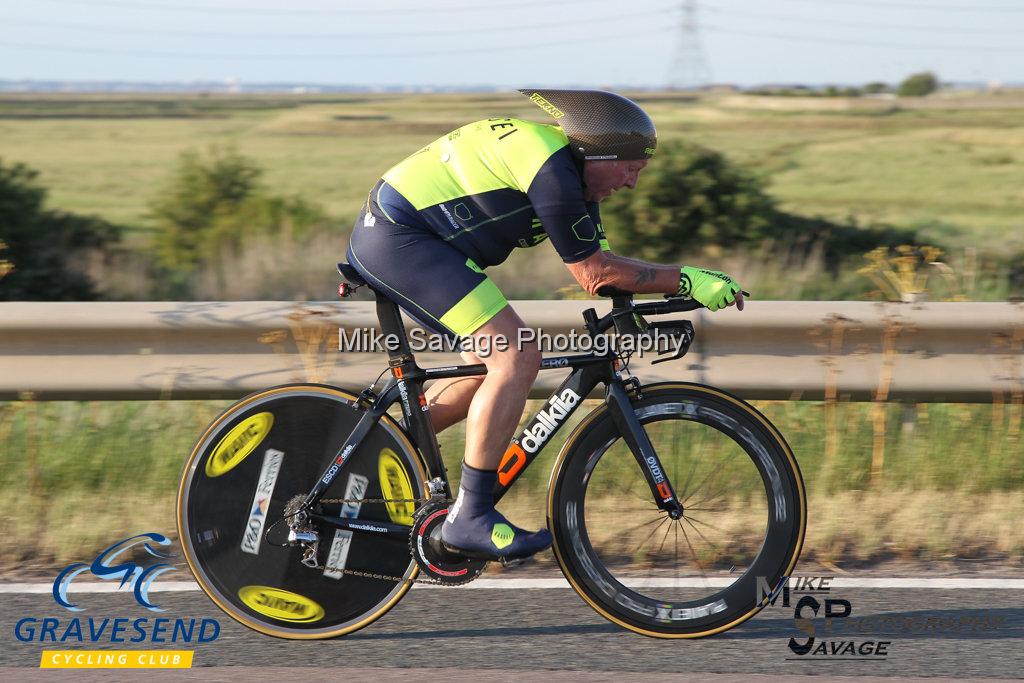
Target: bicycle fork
640, 445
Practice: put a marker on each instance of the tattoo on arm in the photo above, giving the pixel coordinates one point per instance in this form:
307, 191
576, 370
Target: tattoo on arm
644, 275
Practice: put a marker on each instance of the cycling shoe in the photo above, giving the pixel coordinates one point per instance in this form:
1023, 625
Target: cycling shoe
492, 537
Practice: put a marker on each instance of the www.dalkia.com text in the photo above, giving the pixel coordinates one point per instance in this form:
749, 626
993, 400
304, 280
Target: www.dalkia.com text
369, 340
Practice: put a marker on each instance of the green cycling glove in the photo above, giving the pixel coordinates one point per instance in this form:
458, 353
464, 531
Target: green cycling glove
713, 289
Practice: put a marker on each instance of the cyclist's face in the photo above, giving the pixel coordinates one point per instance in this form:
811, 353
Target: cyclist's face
605, 176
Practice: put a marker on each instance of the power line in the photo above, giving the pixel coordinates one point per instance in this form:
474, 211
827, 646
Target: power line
858, 24
862, 43
352, 55
106, 28
429, 9
885, 4
689, 64
512, 47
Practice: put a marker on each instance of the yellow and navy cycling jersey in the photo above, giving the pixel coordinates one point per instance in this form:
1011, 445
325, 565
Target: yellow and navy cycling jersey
462, 203
491, 186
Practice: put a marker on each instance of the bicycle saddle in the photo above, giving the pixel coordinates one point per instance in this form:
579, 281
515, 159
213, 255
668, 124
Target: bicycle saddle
351, 274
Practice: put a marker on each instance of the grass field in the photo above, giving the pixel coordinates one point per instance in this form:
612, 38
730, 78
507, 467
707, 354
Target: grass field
949, 166
951, 484
952, 480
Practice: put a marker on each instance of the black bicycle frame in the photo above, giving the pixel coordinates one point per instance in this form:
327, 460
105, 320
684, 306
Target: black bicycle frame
406, 387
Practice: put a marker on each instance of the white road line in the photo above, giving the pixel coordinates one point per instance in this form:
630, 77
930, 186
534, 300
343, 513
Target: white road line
559, 582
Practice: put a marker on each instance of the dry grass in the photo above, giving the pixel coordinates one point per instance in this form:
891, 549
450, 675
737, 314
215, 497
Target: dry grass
866, 526
76, 475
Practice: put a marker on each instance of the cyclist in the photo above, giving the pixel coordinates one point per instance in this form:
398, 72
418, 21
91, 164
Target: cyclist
435, 221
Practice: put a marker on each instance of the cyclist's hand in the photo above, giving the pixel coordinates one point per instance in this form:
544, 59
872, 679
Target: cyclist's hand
712, 288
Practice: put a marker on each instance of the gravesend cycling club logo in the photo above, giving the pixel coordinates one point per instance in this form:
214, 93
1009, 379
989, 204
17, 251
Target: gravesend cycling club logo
109, 567
115, 564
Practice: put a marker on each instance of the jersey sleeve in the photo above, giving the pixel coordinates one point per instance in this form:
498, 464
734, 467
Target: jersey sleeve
595, 215
556, 194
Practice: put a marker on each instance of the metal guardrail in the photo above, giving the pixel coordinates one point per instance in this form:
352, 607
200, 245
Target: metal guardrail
970, 352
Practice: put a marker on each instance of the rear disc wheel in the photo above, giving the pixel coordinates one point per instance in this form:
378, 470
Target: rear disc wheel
255, 457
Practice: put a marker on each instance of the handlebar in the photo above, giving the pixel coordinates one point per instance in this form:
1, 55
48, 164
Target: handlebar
627, 318
625, 312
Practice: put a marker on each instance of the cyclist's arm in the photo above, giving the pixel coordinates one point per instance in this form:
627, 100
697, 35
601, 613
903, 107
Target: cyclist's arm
715, 290
603, 268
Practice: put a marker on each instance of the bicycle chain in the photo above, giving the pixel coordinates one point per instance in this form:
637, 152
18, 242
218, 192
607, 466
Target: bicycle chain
374, 575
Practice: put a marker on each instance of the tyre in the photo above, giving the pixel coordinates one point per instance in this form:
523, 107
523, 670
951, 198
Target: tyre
264, 450
744, 514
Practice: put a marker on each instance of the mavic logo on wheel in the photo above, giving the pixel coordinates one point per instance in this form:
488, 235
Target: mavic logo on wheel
106, 566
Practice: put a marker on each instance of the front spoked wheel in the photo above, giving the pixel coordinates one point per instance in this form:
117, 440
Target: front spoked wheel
742, 527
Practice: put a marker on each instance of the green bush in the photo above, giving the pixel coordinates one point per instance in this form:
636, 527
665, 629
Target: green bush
876, 87
40, 245
214, 202
693, 198
918, 85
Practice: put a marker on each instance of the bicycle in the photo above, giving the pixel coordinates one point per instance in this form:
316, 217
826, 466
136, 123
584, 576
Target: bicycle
306, 511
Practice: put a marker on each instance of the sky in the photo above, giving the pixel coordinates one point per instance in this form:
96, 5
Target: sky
462, 43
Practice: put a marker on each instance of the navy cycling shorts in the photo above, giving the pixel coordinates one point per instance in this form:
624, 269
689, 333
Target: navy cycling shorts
432, 281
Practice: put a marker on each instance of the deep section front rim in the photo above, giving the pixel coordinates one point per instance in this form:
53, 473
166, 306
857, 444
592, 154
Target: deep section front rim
730, 598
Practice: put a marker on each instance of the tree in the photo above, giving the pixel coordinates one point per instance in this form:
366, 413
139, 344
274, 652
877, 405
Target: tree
213, 202
876, 88
694, 198
690, 197
918, 85
40, 245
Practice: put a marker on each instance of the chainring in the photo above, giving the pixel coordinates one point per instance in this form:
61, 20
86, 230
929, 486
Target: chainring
425, 545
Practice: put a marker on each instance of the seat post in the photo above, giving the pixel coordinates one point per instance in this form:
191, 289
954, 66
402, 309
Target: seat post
391, 324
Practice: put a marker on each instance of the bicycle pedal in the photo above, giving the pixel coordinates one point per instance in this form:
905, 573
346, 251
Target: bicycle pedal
515, 562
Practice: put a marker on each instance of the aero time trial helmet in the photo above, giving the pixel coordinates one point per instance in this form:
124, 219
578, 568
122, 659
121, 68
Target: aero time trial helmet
599, 125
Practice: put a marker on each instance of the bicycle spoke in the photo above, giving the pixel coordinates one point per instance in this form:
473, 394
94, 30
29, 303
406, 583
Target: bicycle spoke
691, 518
647, 499
693, 552
690, 508
675, 534
706, 477
646, 508
689, 478
717, 549
653, 531
664, 538
642, 524
708, 498
711, 499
